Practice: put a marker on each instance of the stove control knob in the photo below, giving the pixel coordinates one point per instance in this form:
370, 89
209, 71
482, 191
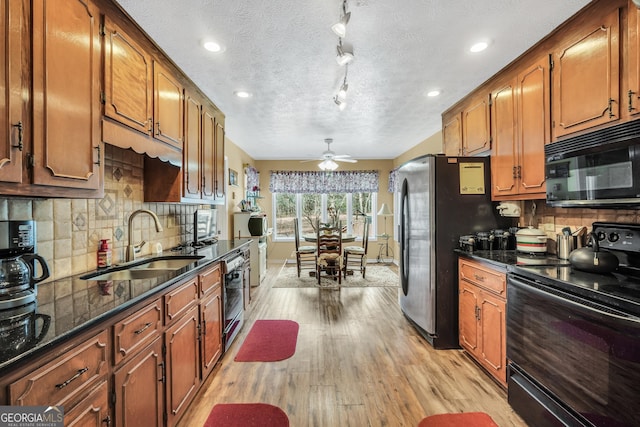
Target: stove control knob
614, 237
601, 235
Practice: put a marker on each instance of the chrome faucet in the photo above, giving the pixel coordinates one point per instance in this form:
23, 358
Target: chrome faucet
132, 249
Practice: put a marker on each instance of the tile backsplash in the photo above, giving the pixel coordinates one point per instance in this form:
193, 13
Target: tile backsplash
69, 230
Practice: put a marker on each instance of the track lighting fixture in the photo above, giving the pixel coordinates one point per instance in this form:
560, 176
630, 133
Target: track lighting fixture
341, 103
344, 56
342, 93
340, 27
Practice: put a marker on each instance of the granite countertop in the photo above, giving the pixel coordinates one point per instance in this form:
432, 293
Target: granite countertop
66, 307
510, 258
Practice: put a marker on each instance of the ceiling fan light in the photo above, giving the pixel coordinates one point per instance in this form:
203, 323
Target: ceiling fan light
340, 27
328, 165
344, 56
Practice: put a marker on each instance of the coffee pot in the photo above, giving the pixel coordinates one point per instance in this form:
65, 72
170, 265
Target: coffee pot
17, 274
21, 329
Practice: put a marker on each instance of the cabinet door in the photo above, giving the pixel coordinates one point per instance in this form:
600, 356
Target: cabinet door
504, 150
475, 127
534, 122
633, 95
127, 80
468, 316
66, 94
138, 385
11, 122
586, 71
211, 325
452, 136
92, 411
182, 363
191, 156
219, 158
168, 100
492, 317
208, 154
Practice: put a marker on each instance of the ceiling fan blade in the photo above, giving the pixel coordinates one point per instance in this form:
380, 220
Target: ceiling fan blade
342, 156
346, 160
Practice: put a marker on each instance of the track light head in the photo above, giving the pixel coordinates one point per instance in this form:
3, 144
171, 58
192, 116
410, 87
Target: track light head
344, 56
340, 27
341, 103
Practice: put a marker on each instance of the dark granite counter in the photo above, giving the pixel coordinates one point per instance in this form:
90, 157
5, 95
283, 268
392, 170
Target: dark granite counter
506, 259
68, 306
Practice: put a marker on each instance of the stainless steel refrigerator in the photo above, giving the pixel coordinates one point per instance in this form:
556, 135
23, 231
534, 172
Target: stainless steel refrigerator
441, 199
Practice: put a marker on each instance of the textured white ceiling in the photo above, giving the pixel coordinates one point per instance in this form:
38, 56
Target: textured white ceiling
283, 51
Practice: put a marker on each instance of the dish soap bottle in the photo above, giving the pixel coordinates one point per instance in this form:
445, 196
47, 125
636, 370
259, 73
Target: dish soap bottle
104, 254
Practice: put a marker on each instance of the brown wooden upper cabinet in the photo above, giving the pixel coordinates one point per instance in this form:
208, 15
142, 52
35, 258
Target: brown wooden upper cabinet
520, 128
142, 94
466, 130
219, 158
633, 77
586, 74
199, 155
168, 98
12, 123
128, 80
67, 117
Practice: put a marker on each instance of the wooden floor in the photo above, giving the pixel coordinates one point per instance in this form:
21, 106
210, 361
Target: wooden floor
358, 362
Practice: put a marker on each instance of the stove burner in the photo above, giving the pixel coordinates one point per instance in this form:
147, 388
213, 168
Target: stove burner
193, 246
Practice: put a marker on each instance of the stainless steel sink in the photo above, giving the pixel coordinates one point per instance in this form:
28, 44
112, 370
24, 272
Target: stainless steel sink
148, 269
131, 274
166, 264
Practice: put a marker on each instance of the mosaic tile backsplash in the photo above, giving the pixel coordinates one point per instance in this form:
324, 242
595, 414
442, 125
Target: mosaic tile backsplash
69, 230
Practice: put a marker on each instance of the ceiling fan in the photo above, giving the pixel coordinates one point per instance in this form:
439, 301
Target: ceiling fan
329, 158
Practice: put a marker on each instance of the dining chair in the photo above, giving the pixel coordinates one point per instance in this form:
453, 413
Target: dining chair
305, 255
356, 256
329, 251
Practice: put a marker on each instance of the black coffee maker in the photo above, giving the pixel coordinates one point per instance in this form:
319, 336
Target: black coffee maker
18, 264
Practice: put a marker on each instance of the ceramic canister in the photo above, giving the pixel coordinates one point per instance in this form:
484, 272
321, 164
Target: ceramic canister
531, 240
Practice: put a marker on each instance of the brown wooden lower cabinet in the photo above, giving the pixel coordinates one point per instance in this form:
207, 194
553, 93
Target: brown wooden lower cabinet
482, 316
211, 327
139, 389
182, 363
92, 411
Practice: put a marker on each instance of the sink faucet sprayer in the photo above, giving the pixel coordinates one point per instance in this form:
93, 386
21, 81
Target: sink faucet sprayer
132, 249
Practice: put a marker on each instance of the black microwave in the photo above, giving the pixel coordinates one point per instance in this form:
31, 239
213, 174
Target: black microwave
596, 170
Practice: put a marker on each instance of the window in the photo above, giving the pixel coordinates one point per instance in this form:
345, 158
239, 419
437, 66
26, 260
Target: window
352, 209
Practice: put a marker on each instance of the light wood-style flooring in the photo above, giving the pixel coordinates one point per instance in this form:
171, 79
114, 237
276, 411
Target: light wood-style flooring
358, 362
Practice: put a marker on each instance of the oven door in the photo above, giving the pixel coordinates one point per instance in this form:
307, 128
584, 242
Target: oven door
584, 356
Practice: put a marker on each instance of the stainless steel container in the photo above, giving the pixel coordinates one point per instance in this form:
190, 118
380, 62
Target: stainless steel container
564, 245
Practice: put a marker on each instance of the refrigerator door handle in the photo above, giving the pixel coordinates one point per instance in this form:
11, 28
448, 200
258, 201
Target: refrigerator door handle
404, 244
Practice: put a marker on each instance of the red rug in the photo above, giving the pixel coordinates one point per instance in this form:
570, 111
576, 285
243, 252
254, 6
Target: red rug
246, 415
269, 341
465, 419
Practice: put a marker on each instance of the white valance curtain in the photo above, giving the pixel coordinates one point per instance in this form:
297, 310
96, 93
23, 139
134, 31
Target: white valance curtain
320, 182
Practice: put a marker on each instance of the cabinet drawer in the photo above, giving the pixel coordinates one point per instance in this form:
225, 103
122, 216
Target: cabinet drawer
210, 280
483, 276
64, 378
136, 331
179, 300
93, 410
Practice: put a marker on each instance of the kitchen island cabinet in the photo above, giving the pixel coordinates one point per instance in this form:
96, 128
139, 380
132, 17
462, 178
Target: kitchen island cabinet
482, 316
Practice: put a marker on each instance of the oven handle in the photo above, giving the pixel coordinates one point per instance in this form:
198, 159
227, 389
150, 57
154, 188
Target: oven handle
570, 300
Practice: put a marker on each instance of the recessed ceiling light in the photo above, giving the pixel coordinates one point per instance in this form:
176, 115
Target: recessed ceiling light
243, 94
433, 93
479, 47
213, 46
